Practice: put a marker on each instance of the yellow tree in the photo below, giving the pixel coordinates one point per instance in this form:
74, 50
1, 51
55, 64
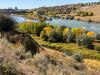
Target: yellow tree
65, 31
77, 31
48, 29
91, 34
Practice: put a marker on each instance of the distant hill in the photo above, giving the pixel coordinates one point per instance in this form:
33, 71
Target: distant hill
95, 9
66, 8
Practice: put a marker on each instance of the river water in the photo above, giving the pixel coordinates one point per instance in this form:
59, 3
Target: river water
69, 23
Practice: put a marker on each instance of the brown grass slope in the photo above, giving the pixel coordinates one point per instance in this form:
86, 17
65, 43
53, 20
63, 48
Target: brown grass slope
95, 9
15, 61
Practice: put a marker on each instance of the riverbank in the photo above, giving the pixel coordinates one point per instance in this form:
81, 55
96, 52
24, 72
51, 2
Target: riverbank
69, 49
92, 19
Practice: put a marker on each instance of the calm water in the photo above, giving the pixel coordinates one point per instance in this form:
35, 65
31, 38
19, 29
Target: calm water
69, 23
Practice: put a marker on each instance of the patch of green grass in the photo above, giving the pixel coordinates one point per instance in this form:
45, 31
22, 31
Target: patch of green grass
71, 48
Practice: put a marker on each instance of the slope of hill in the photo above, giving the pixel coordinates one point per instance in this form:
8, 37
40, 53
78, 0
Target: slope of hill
14, 60
95, 9
72, 10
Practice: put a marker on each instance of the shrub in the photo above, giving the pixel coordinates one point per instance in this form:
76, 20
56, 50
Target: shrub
97, 48
7, 70
85, 41
48, 30
39, 28
70, 37
84, 13
98, 37
27, 26
90, 34
90, 13
78, 57
62, 27
89, 20
55, 37
32, 27
77, 31
30, 44
6, 23
78, 41
43, 36
65, 31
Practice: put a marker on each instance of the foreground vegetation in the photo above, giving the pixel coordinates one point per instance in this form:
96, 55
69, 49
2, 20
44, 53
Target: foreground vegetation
20, 54
70, 49
56, 34
70, 40
18, 62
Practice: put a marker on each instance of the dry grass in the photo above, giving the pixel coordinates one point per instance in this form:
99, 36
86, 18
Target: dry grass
92, 64
47, 62
95, 10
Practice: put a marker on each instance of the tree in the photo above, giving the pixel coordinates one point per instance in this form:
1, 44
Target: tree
55, 37
70, 37
43, 36
85, 41
65, 31
90, 34
77, 31
6, 23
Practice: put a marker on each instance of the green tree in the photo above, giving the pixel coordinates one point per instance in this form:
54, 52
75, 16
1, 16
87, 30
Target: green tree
6, 23
70, 37
43, 36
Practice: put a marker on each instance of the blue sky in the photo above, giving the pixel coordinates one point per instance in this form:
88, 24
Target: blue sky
24, 4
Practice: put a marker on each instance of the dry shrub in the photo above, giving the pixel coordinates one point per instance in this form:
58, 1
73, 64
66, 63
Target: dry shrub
50, 65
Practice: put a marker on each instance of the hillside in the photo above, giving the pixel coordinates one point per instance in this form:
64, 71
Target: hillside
64, 11
95, 9
16, 61
22, 51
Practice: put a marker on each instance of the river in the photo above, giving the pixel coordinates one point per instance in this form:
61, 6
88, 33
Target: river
69, 23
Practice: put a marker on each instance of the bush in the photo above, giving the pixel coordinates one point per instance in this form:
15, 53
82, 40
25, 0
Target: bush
90, 34
32, 27
77, 31
77, 57
30, 44
43, 36
78, 41
85, 41
48, 30
6, 23
83, 13
90, 13
39, 28
5, 69
55, 37
65, 31
70, 37
89, 20
98, 37
97, 48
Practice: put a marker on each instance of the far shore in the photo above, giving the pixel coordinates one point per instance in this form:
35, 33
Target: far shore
86, 19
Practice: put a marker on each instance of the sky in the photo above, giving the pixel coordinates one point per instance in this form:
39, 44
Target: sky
29, 4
